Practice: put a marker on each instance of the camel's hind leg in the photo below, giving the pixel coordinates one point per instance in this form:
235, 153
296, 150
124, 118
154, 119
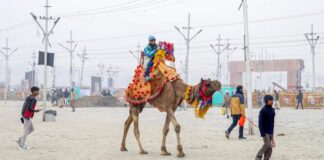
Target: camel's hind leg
165, 131
177, 129
135, 114
128, 122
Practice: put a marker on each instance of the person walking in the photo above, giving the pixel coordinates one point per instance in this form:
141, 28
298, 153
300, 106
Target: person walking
266, 125
27, 114
300, 99
237, 108
259, 99
66, 96
72, 99
226, 104
276, 99
54, 97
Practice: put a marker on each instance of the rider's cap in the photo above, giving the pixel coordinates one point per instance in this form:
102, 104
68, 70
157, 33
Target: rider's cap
151, 37
267, 98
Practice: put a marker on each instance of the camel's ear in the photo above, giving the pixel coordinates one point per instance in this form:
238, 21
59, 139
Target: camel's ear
201, 80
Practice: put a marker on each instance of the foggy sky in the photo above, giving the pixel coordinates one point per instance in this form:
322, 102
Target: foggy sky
110, 35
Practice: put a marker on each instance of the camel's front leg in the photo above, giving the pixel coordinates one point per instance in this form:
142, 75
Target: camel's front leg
177, 129
128, 122
135, 115
165, 131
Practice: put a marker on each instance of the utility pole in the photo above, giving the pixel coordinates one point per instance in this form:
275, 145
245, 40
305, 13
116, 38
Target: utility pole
229, 51
70, 49
6, 55
247, 64
312, 42
83, 58
46, 33
9, 78
138, 51
101, 67
218, 51
188, 39
111, 74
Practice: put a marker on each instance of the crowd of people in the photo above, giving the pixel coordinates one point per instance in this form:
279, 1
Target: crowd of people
261, 95
62, 98
276, 94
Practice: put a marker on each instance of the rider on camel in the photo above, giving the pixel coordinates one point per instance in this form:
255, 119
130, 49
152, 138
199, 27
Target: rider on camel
149, 53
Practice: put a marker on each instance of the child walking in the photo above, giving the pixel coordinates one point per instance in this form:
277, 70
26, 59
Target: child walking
266, 126
27, 114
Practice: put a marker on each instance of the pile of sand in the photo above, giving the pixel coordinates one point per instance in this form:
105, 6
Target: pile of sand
98, 101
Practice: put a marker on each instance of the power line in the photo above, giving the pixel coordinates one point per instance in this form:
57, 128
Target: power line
18, 25
118, 9
263, 20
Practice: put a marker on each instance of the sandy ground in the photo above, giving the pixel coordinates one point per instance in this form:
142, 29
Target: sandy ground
95, 134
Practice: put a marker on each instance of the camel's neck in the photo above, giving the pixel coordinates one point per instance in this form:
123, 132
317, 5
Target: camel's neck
182, 87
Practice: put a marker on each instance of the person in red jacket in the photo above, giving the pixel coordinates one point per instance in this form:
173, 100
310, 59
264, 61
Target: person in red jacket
27, 114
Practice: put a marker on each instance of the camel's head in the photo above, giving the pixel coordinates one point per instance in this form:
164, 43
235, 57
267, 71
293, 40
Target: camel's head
211, 86
206, 90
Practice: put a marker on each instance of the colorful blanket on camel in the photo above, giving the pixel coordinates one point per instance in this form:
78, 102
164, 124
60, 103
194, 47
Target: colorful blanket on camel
139, 92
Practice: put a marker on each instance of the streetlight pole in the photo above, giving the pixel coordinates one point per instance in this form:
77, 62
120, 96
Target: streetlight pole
46, 33
247, 64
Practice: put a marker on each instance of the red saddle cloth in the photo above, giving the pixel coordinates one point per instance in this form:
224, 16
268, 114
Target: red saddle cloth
139, 92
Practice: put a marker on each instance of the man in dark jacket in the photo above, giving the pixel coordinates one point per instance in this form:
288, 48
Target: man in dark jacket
266, 126
237, 108
27, 114
300, 99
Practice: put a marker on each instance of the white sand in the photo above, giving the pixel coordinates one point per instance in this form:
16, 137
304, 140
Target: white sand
95, 134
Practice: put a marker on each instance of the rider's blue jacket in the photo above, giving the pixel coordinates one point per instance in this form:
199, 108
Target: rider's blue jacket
150, 51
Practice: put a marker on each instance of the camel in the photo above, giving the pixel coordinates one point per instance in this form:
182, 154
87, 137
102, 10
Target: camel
168, 100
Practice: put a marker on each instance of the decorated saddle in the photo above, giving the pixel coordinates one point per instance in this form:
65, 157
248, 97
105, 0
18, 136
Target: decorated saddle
138, 91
